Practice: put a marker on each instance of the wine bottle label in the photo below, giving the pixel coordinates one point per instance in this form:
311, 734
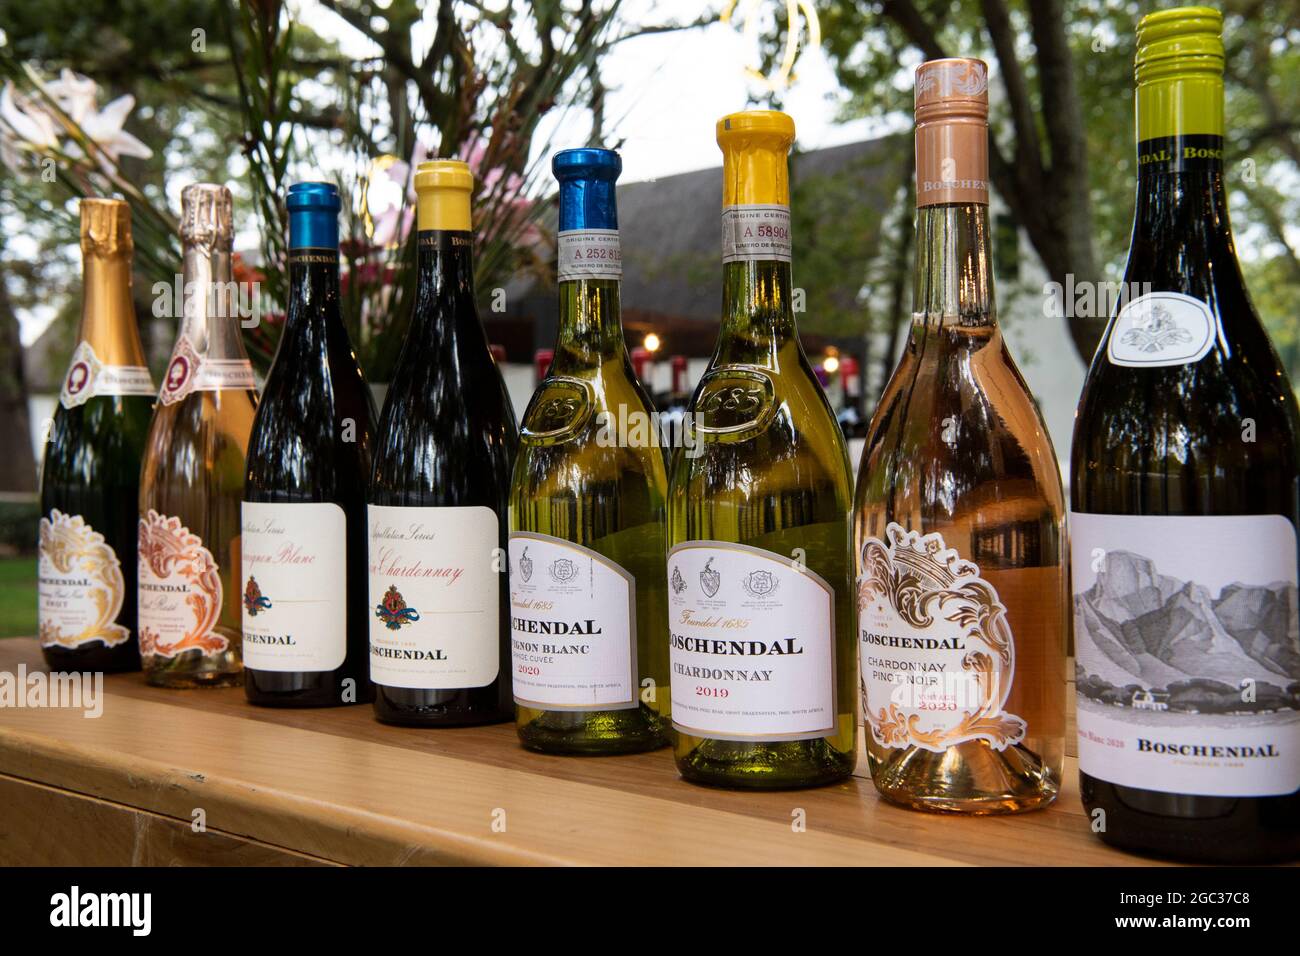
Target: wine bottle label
756, 233
1161, 328
751, 644
188, 371
179, 590
88, 377
295, 579
435, 597
936, 654
572, 626
1187, 652
589, 254
79, 584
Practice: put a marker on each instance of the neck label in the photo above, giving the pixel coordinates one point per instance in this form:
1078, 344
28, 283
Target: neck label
589, 254
88, 377
1161, 328
756, 233
1179, 154
189, 371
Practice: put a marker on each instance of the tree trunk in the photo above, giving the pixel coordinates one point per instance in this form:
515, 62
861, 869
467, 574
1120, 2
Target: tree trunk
17, 464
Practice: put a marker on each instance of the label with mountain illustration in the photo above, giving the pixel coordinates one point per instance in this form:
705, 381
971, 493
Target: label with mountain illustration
1161, 328
751, 644
1187, 652
435, 596
294, 581
572, 626
937, 656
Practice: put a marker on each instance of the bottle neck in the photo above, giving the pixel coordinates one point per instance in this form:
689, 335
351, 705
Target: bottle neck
591, 330
1181, 194
445, 310
757, 315
212, 312
108, 321
954, 269
313, 290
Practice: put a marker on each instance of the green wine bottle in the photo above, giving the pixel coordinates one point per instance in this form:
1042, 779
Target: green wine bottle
91, 476
587, 587
760, 593
1185, 501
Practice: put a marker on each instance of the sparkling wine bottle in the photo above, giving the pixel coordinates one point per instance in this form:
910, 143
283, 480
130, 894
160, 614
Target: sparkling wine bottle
91, 472
760, 609
439, 599
959, 523
192, 478
1185, 502
587, 586
304, 515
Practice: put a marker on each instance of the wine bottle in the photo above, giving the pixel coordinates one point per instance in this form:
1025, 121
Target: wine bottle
192, 478
87, 565
1184, 505
304, 510
439, 599
760, 593
588, 593
959, 515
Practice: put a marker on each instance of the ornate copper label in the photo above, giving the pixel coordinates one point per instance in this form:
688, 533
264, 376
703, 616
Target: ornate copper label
937, 653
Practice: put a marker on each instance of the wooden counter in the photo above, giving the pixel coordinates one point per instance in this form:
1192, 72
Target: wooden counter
284, 787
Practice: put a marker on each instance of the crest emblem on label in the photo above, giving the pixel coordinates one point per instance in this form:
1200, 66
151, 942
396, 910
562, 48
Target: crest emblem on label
759, 583
563, 570
1161, 329
710, 580
254, 601
937, 653
525, 565
178, 381
79, 386
392, 610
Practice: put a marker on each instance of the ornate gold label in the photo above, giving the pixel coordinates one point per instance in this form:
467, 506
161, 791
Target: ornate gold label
937, 654
180, 590
80, 584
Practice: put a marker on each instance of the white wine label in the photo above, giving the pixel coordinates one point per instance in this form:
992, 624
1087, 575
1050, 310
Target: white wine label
572, 626
589, 254
756, 233
295, 580
1187, 652
88, 377
179, 590
1161, 328
936, 654
188, 371
435, 597
751, 644
79, 585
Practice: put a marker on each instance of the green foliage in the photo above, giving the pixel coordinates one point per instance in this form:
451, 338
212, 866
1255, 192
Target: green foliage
18, 596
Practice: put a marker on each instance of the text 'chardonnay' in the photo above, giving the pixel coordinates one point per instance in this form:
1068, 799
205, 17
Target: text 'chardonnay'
959, 522
760, 611
439, 604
